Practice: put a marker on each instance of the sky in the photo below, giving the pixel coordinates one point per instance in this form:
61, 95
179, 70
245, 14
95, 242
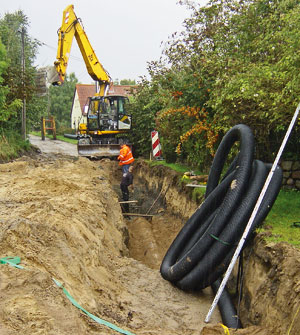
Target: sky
125, 34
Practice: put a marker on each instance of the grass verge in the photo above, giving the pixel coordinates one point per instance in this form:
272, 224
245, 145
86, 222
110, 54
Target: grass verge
58, 137
197, 192
283, 222
12, 146
180, 168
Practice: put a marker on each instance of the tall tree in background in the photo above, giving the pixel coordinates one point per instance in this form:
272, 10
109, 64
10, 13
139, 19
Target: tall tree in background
61, 98
7, 109
127, 82
11, 26
250, 52
235, 62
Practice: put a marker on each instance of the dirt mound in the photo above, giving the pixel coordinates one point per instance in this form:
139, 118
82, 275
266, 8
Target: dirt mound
61, 216
271, 295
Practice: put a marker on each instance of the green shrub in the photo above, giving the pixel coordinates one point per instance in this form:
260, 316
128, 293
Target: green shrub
12, 145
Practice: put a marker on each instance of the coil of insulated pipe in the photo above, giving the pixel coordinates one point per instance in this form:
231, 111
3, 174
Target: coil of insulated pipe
202, 250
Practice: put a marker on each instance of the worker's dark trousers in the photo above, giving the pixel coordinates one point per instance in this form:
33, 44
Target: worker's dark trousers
125, 196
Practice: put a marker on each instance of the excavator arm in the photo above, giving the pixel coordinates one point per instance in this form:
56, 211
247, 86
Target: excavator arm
71, 26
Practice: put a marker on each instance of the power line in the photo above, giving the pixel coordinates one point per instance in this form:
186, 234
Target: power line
55, 49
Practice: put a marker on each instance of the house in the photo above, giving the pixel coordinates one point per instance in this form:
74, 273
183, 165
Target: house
80, 100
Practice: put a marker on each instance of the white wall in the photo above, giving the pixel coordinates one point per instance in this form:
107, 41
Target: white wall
76, 114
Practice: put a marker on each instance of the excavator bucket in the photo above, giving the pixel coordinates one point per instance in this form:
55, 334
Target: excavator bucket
53, 76
98, 150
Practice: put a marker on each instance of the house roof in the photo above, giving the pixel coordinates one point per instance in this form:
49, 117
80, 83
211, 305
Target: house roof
84, 91
121, 90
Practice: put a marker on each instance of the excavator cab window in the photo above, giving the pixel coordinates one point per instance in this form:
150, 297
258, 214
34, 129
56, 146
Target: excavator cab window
112, 112
124, 119
108, 114
93, 112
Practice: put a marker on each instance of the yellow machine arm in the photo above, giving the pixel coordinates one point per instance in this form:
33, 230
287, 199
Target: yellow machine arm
71, 26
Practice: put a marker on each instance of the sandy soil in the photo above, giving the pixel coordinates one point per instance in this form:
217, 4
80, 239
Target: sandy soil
61, 216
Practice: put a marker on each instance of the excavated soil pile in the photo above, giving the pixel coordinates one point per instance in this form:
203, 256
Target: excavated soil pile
61, 216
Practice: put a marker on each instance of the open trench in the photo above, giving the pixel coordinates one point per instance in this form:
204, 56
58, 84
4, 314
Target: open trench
158, 194
149, 236
154, 225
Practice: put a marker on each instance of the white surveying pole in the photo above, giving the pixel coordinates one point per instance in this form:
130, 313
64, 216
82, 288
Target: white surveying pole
255, 210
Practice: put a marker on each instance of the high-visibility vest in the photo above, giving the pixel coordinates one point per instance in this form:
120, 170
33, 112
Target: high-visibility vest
125, 156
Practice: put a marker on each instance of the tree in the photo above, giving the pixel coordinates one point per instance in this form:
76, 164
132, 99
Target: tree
3, 89
7, 109
61, 98
127, 82
237, 61
249, 50
144, 105
16, 84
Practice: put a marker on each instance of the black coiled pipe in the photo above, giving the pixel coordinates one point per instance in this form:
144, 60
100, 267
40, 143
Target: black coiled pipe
202, 250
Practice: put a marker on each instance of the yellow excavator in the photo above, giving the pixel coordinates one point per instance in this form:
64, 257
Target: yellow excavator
107, 121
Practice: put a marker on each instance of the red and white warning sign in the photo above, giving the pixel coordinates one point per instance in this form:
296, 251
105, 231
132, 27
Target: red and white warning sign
156, 147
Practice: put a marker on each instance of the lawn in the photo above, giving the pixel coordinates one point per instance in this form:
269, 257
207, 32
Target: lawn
180, 168
283, 220
58, 137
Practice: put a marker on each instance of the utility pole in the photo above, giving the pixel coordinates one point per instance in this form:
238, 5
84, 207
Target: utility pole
23, 84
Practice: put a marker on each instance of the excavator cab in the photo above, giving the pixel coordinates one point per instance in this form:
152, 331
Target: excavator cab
108, 114
106, 128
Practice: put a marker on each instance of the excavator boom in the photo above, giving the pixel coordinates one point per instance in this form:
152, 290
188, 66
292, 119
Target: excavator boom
71, 27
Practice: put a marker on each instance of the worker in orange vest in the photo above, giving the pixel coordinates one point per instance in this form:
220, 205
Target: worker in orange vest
125, 158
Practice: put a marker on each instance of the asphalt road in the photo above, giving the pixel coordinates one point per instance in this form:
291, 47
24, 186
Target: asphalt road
53, 146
